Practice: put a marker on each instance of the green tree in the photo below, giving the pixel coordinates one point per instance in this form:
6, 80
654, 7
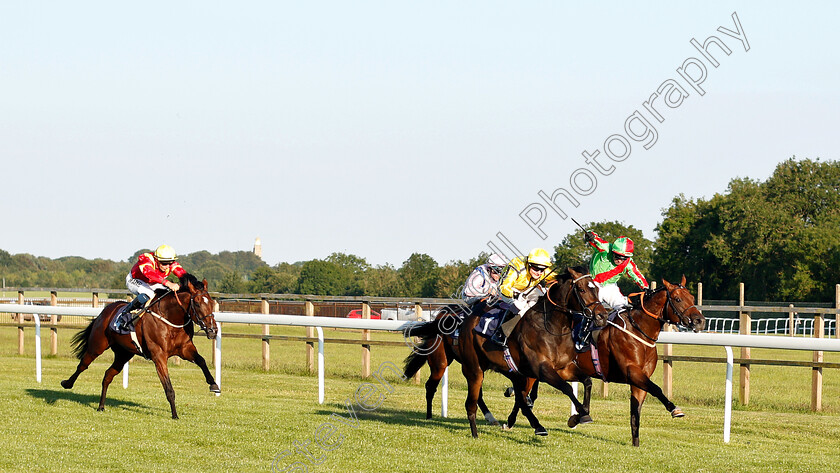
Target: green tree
419, 275
321, 277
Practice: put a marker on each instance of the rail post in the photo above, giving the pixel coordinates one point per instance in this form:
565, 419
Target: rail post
365, 338
213, 342
309, 311
745, 321
20, 327
837, 306
53, 321
791, 321
418, 312
365, 347
816, 373
94, 299
266, 348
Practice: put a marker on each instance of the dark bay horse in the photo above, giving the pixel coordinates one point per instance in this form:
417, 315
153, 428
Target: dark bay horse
164, 330
627, 349
539, 345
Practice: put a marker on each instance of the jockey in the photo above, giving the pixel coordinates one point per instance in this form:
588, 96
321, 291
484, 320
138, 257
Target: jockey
609, 263
520, 288
484, 280
149, 273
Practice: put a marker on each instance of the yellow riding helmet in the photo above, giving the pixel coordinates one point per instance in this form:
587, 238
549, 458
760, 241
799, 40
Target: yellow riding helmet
165, 253
540, 257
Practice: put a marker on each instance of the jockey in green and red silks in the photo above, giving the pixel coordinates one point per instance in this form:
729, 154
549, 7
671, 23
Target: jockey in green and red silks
609, 263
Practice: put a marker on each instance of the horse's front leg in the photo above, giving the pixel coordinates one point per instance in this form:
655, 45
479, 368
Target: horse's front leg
190, 353
638, 378
576, 419
637, 398
159, 358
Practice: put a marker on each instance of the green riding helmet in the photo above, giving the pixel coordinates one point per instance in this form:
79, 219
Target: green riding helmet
622, 246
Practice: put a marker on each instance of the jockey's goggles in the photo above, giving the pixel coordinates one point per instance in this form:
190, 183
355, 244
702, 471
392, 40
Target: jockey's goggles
537, 268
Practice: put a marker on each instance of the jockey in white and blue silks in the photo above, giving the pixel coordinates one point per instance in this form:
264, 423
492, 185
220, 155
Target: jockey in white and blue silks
484, 280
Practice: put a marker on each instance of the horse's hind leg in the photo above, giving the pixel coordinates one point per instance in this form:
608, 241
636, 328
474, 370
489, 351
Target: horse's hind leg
438, 362
190, 353
93, 351
121, 357
485, 410
533, 385
576, 419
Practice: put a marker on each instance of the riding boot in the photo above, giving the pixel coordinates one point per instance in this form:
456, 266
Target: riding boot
499, 338
126, 316
582, 334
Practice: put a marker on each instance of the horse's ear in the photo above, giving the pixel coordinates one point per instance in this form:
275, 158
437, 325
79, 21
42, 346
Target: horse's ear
666, 283
572, 271
682, 282
205, 283
190, 285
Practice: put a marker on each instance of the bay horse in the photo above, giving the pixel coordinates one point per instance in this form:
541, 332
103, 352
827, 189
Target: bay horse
439, 356
165, 329
627, 349
538, 346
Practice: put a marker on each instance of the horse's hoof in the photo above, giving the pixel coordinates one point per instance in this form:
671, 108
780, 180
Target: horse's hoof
66, 384
214, 388
509, 391
677, 412
495, 423
573, 421
540, 431
505, 428
585, 419
100, 409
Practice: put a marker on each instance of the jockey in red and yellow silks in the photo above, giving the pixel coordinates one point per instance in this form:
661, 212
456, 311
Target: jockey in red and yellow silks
609, 263
148, 273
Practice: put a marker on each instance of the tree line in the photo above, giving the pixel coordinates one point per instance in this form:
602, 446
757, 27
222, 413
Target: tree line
780, 237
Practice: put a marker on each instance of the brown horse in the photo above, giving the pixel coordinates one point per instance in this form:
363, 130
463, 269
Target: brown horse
164, 330
627, 352
439, 356
539, 345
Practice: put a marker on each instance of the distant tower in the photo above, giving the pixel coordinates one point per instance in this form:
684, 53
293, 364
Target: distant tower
258, 248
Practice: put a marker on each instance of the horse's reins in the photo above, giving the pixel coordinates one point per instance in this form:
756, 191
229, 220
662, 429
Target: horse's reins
189, 312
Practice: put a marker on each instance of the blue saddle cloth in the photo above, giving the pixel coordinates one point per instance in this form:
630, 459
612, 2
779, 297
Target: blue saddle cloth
489, 322
116, 322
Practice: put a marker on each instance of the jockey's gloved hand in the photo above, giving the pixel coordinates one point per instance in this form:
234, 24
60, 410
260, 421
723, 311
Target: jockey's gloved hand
589, 237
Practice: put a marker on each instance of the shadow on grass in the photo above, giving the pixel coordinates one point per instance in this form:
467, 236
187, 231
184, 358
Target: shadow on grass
51, 396
456, 425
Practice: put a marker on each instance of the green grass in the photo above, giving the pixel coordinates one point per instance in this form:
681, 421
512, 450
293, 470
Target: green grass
261, 414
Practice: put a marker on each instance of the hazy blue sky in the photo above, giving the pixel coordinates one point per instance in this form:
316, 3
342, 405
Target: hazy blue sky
386, 128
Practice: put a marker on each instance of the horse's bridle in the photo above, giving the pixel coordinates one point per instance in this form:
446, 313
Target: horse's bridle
668, 303
192, 313
586, 308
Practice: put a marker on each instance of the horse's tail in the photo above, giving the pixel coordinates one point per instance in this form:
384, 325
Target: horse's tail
413, 363
429, 333
81, 339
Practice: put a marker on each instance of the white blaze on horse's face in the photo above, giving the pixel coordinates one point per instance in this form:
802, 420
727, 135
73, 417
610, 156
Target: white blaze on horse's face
592, 285
204, 298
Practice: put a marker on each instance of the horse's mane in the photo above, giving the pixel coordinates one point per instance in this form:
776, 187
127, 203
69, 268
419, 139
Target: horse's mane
183, 280
189, 278
563, 275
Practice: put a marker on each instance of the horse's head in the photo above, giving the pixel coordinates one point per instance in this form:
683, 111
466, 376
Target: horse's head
200, 307
680, 308
577, 291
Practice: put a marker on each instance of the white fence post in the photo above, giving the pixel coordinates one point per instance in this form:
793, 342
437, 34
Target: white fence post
37, 319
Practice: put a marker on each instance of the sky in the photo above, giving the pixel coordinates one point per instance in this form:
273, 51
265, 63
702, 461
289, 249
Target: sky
387, 128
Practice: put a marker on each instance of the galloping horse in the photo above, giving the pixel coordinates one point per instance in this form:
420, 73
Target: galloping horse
539, 345
627, 349
166, 329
